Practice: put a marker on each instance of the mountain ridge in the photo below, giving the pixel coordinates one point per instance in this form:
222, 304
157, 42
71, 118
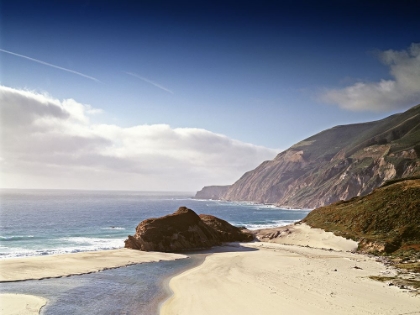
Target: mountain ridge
335, 164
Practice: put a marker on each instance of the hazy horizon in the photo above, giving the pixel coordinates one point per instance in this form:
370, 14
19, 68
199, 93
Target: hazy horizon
105, 190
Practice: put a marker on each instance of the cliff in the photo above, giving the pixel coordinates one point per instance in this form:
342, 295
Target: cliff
336, 164
212, 192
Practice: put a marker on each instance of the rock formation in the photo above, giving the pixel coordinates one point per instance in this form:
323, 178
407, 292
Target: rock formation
335, 164
225, 231
184, 230
212, 192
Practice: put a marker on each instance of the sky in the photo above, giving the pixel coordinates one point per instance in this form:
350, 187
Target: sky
173, 96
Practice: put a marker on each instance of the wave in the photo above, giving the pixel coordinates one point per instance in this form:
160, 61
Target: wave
249, 204
16, 237
90, 240
268, 225
113, 228
70, 245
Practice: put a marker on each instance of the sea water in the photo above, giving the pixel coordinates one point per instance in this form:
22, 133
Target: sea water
44, 222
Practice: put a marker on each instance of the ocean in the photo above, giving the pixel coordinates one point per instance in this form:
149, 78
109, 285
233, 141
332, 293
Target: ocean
45, 222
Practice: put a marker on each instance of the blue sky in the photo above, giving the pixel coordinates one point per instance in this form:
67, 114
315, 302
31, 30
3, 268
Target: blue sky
261, 75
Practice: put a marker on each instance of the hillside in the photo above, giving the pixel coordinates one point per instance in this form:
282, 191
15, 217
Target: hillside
335, 164
385, 221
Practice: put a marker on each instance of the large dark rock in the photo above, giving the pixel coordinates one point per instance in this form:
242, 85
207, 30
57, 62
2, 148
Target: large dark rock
184, 230
226, 231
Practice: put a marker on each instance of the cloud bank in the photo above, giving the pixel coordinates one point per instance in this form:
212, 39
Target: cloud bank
50, 143
403, 90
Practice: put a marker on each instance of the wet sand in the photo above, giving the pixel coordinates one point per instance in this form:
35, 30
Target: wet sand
55, 266
42, 267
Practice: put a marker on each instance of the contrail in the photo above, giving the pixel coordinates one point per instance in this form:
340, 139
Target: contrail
151, 82
50, 65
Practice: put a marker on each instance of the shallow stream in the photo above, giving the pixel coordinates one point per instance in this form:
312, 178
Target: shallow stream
136, 289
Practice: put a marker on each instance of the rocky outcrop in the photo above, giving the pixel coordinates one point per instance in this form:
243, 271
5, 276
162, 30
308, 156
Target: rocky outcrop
226, 231
212, 192
184, 230
335, 164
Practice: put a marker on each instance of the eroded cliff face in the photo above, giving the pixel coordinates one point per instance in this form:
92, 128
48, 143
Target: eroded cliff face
212, 192
336, 164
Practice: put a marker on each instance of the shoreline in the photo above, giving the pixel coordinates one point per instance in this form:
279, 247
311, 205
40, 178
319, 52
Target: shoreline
252, 203
65, 265
295, 269
56, 266
197, 259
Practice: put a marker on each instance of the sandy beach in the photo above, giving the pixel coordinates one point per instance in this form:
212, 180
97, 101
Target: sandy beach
41, 267
300, 271
273, 278
21, 304
303, 235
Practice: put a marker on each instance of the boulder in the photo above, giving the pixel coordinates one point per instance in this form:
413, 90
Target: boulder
227, 232
184, 230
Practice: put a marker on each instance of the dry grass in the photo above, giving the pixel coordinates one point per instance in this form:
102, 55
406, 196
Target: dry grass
387, 221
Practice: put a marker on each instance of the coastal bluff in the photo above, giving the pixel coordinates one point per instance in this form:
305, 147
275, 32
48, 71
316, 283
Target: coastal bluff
212, 192
387, 221
336, 164
184, 230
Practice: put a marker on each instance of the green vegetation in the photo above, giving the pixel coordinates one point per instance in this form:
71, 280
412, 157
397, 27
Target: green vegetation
397, 180
385, 222
382, 279
411, 267
401, 132
398, 281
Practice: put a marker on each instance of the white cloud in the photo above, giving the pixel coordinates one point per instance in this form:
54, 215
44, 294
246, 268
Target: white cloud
401, 91
48, 143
